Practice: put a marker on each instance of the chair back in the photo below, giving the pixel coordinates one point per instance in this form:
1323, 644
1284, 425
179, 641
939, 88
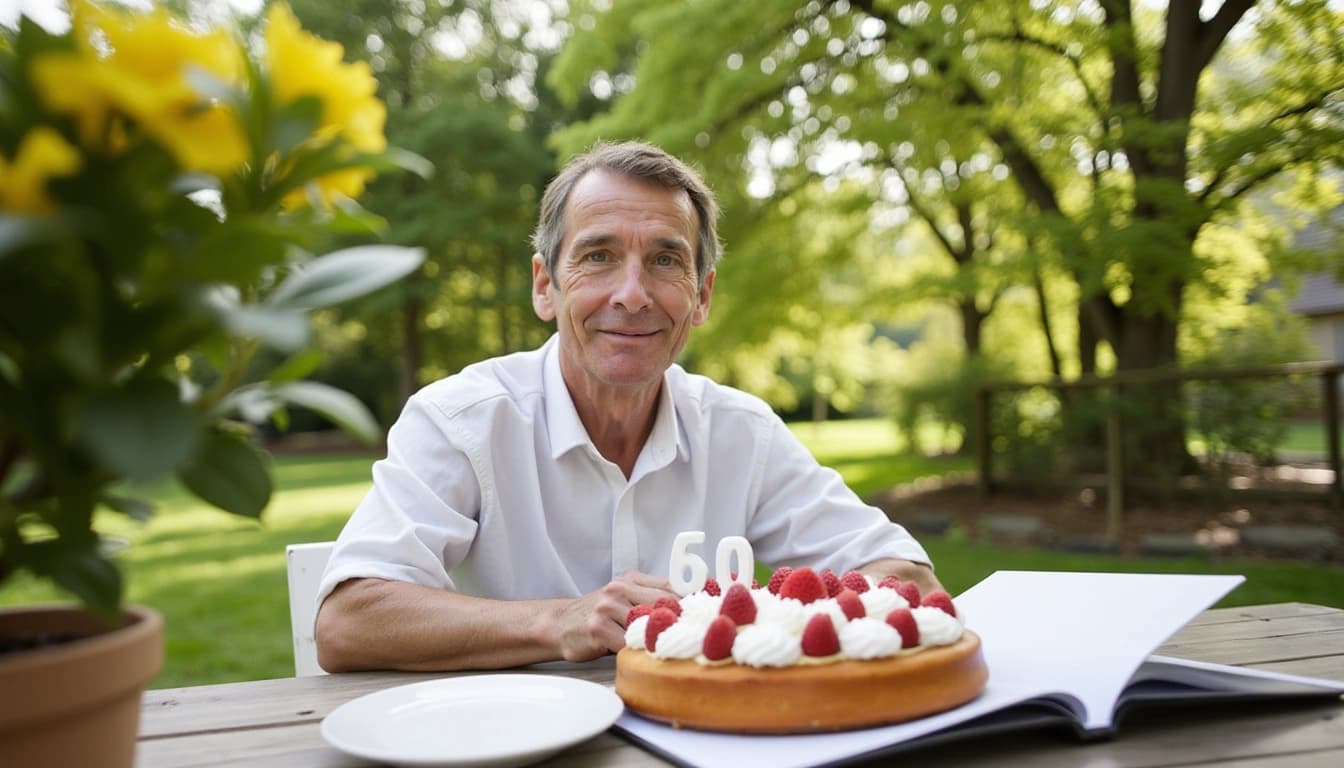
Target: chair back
304, 564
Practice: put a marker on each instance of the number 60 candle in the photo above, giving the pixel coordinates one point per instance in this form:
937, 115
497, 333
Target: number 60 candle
687, 571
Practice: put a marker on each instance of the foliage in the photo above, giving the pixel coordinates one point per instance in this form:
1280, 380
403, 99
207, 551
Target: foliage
162, 189
1248, 418
1101, 146
945, 393
460, 83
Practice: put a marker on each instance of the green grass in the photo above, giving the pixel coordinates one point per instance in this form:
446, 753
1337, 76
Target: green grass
220, 581
867, 452
1306, 437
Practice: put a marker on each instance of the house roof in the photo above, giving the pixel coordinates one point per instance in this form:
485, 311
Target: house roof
1319, 294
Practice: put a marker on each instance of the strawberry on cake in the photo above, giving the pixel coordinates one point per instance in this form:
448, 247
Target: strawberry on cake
809, 652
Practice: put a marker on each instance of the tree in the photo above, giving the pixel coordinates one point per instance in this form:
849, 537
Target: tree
458, 79
1127, 132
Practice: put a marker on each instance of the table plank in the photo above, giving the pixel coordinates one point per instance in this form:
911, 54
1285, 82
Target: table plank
276, 722
1262, 650
226, 706
1258, 628
1259, 612
302, 745
1328, 667
1160, 739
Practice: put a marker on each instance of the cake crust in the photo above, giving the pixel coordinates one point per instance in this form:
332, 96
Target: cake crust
802, 698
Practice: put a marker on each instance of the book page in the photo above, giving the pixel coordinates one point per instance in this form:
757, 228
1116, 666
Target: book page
1207, 681
1084, 634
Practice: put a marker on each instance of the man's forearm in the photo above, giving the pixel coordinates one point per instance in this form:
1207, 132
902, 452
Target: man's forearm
378, 624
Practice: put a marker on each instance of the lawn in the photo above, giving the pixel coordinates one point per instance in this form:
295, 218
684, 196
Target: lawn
220, 581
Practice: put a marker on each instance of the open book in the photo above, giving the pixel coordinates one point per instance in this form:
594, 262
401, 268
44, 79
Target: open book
1061, 647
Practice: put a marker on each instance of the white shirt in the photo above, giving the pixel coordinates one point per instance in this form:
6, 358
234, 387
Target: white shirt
492, 487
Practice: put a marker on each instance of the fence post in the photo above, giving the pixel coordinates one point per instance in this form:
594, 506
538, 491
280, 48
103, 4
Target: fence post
984, 442
1115, 466
1330, 382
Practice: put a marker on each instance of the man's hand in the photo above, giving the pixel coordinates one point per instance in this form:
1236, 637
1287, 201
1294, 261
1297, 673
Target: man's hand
594, 625
905, 570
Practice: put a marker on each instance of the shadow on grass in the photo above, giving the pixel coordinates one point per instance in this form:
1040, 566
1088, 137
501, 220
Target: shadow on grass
224, 629
188, 547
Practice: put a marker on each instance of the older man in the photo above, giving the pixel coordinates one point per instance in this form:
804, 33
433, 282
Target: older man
527, 502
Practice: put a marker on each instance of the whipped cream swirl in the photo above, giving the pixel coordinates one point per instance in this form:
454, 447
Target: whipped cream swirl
700, 607
936, 627
682, 640
766, 645
879, 601
783, 611
869, 638
634, 634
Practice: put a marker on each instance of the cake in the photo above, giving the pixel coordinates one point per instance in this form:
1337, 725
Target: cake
810, 652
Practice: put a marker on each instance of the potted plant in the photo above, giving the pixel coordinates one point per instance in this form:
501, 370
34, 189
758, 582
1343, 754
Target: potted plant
162, 190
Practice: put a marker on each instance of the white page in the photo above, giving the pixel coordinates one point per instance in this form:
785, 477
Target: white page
1084, 633
1222, 677
1041, 633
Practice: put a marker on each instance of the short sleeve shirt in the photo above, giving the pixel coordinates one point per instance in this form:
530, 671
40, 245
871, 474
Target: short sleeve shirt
492, 487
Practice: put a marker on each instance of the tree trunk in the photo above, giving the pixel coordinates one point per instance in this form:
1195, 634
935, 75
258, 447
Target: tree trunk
1153, 414
411, 348
502, 293
972, 323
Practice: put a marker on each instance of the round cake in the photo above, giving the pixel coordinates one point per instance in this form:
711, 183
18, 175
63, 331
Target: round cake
812, 652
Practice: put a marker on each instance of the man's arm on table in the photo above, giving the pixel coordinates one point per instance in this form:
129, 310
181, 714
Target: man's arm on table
381, 624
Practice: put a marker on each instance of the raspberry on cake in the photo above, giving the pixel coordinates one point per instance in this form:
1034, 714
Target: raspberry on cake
794, 658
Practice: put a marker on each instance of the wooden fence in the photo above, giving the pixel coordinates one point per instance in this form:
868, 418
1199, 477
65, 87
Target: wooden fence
1329, 375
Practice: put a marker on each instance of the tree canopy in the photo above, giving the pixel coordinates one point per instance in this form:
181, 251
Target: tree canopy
1094, 140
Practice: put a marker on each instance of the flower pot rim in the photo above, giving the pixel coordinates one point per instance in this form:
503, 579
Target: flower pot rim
141, 621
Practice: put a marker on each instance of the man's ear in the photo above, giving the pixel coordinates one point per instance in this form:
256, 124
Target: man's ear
701, 313
541, 289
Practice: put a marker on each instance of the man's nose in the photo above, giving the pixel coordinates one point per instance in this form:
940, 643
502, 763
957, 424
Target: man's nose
630, 292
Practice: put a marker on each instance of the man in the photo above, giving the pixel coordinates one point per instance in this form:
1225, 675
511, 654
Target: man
528, 502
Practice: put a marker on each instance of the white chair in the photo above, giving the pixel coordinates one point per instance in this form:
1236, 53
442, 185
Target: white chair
305, 564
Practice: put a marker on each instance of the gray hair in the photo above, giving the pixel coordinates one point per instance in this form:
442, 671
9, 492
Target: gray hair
640, 161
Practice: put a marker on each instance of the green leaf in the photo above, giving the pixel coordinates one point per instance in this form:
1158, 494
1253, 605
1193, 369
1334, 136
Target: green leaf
136, 509
342, 408
280, 328
81, 570
230, 473
346, 215
141, 431
398, 159
19, 232
254, 403
298, 366
345, 274
295, 123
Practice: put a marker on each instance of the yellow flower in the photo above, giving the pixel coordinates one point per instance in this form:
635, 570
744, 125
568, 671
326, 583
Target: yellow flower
301, 65
135, 66
42, 155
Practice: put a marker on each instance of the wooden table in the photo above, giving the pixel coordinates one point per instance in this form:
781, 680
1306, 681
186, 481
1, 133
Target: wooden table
275, 722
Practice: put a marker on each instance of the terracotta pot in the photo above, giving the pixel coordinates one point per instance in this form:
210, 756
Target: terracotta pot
77, 703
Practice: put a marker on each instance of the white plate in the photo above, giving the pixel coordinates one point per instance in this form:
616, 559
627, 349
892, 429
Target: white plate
477, 721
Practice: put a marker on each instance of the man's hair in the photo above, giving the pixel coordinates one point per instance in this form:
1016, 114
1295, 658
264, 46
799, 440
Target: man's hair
640, 161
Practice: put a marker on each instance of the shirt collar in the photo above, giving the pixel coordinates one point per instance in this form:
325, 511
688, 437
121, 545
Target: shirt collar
567, 432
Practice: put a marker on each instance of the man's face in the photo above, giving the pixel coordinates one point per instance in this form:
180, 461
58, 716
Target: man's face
625, 293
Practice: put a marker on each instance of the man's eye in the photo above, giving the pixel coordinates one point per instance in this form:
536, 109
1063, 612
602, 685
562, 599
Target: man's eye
597, 256
666, 260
